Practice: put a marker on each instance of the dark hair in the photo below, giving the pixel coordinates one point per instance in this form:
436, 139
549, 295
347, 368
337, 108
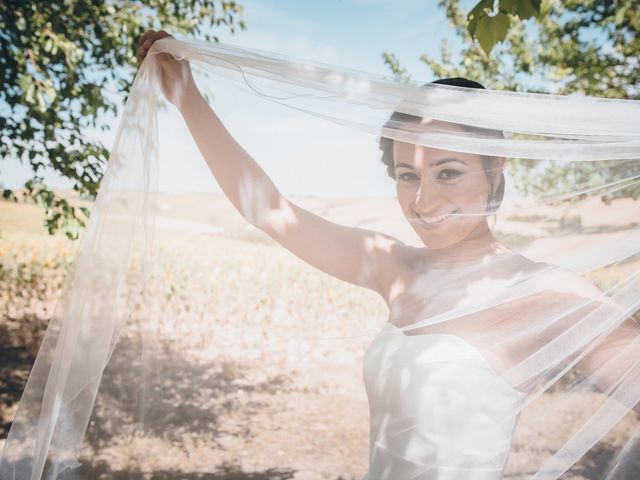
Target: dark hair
488, 162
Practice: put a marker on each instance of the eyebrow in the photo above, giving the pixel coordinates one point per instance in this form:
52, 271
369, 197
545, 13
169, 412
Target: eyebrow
434, 164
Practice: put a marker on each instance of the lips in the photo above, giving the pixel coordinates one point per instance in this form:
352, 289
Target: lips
436, 220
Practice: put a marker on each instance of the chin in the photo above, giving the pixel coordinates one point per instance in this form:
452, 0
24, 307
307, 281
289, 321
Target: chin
438, 244
438, 240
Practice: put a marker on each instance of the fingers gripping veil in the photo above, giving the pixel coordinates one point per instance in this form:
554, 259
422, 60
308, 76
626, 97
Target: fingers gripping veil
313, 272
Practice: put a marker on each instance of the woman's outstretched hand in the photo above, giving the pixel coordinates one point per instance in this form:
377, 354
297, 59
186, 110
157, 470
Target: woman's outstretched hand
177, 80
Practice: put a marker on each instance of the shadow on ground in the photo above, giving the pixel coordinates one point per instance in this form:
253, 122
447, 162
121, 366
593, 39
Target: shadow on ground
225, 472
15, 364
182, 398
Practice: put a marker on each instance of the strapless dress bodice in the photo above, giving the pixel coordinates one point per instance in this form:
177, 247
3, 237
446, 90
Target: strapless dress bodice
438, 410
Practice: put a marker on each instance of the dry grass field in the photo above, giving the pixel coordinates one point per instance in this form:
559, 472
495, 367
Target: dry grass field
253, 358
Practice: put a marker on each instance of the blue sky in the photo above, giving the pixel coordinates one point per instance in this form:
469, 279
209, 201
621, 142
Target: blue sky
349, 33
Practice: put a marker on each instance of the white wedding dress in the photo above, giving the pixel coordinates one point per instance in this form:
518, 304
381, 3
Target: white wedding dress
438, 410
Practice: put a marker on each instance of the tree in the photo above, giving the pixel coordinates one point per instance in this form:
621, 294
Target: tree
588, 47
58, 62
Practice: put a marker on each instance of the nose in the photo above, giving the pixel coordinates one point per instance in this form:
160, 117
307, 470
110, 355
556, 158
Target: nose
428, 198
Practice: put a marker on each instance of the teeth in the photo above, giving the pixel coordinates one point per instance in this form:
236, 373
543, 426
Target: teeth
437, 219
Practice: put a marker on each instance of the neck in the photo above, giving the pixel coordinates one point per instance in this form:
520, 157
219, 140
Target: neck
475, 247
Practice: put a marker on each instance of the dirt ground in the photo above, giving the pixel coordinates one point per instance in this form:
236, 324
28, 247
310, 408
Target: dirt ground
259, 377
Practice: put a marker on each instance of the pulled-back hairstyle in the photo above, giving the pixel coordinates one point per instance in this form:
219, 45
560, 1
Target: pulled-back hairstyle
489, 163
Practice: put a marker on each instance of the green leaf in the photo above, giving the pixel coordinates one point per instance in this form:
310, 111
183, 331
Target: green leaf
491, 30
620, 15
477, 12
522, 8
49, 90
29, 93
42, 104
25, 82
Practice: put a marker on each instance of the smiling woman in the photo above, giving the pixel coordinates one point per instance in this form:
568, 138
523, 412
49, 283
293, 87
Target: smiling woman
446, 329
448, 196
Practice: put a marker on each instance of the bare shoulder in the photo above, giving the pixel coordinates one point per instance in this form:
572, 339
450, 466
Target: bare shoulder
554, 284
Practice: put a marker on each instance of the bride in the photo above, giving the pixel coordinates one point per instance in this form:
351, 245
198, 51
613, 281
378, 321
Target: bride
444, 377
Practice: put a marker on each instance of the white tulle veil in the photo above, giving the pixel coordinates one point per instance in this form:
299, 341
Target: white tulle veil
187, 335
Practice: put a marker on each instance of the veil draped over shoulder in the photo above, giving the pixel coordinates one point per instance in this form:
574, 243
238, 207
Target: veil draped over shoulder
432, 282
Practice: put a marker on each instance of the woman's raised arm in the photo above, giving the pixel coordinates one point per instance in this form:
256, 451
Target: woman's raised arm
355, 255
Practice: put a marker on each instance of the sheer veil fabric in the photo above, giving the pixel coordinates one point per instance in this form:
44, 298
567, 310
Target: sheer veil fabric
465, 309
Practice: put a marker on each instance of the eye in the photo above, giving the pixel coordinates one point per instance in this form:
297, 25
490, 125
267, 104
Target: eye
449, 174
407, 177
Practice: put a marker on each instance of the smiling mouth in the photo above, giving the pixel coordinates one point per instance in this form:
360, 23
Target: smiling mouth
435, 220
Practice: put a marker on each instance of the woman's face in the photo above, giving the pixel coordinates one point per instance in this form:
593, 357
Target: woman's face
442, 193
